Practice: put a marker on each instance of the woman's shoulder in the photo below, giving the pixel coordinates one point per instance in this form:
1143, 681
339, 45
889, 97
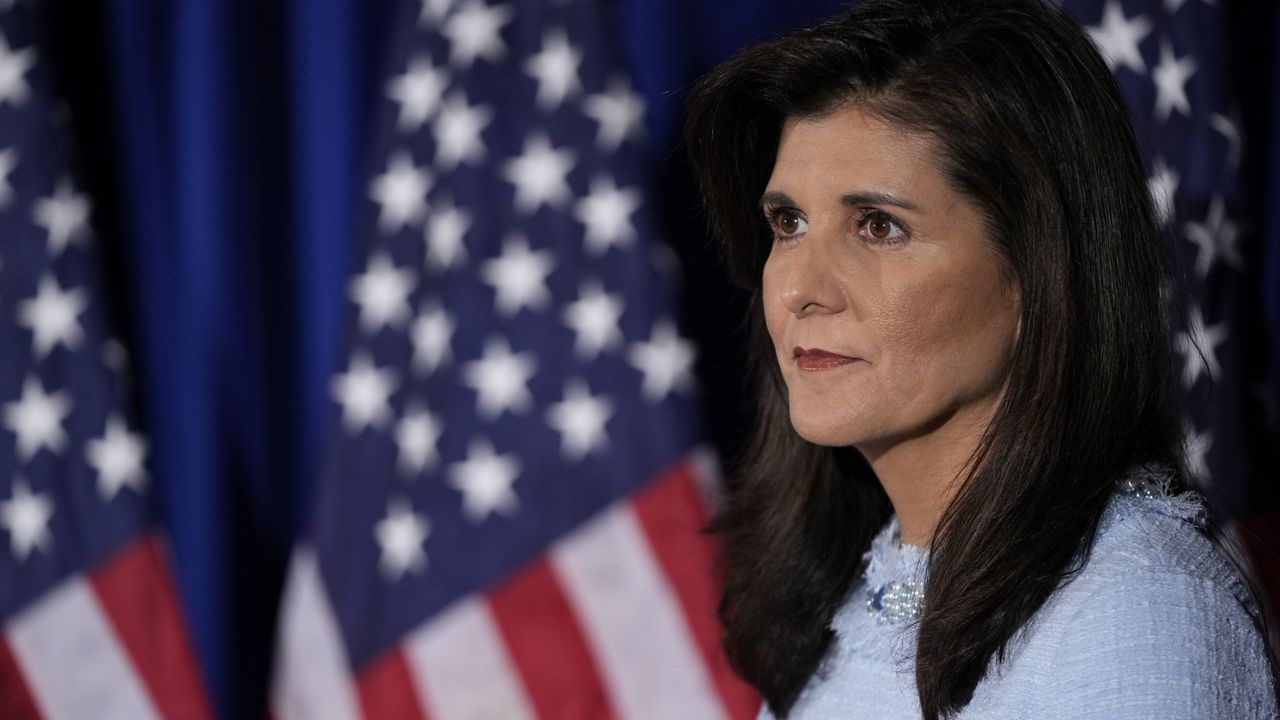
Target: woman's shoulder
1154, 556
1159, 618
1147, 531
1150, 540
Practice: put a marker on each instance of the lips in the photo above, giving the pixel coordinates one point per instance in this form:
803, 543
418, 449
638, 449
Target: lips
819, 359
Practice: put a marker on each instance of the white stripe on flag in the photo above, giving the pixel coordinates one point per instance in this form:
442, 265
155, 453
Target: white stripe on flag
460, 661
72, 660
312, 677
633, 621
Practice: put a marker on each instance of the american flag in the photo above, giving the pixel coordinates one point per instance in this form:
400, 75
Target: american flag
91, 623
1174, 61
508, 523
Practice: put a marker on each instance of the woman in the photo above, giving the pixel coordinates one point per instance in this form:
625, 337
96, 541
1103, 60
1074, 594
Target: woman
965, 496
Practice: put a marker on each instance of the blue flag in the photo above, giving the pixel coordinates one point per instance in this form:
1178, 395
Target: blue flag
91, 624
1174, 60
507, 523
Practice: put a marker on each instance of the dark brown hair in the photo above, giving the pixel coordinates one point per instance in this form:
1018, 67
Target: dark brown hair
1029, 125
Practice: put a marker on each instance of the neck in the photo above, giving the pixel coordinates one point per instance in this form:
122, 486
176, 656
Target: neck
922, 473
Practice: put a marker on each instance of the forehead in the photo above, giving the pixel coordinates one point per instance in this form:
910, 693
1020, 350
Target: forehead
852, 145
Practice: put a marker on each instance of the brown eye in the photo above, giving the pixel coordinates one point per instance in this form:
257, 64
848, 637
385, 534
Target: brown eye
788, 223
880, 226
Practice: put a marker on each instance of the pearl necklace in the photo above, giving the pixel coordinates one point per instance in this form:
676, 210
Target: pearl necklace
893, 577
895, 603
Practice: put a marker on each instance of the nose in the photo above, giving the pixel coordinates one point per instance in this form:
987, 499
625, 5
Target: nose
809, 283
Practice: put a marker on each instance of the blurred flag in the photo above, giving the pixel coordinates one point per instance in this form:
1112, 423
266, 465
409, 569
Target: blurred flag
508, 520
1174, 61
91, 624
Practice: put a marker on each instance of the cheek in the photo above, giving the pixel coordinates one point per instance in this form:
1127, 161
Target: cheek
911, 319
775, 314
947, 330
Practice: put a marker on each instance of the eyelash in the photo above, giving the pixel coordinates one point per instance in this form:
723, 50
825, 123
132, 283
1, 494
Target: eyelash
871, 213
774, 215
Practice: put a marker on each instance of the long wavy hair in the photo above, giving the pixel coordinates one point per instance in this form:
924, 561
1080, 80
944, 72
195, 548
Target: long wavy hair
1029, 125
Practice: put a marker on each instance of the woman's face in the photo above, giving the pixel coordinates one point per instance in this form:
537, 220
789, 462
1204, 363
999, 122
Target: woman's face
885, 301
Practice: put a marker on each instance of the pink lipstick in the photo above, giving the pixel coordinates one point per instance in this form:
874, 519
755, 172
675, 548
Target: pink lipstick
819, 359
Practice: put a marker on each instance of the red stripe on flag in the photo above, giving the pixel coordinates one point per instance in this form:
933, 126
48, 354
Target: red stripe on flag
387, 689
672, 513
546, 644
134, 590
16, 702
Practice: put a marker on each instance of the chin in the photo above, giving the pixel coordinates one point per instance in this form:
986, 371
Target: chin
824, 431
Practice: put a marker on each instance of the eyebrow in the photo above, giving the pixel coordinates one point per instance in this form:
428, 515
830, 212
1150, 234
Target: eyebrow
774, 197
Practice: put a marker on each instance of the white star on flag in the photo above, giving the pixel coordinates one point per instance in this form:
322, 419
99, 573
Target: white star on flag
1173, 6
401, 193
52, 316
457, 131
118, 457
619, 112
417, 92
1199, 347
500, 379
400, 536
485, 479
1170, 77
1196, 447
1163, 188
8, 161
364, 392
26, 518
433, 11
116, 358
666, 361
593, 317
580, 419
555, 68
475, 30
540, 174
1229, 127
1214, 237
1118, 37
64, 216
447, 226
382, 293
431, 334
606, 213
13, 69
36, 418
416, 436
519, 277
